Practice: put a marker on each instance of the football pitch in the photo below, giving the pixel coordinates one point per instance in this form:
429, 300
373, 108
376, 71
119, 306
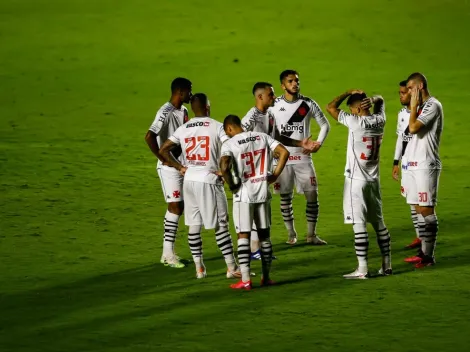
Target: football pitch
81, 205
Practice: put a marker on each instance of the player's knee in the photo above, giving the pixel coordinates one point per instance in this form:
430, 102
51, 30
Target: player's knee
176, 208
287, 196
311, 196
426, 211
193, 229
263, 234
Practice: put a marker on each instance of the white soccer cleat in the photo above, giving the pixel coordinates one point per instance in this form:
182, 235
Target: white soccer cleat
162, 259
315, 240
357, 275
386, 272
201, 273
292, 240
234, 274
173, 262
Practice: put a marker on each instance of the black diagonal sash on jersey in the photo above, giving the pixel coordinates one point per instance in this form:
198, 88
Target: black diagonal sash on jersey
405, 143
298, 116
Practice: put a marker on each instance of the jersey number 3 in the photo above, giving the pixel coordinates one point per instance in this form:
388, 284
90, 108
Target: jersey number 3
250, 162
373, 146
200, 153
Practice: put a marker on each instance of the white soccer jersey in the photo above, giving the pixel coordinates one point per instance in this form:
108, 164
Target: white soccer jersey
167, 120
252, 154
293, 120
423, 150
257, 121
403, 135
201, 139
364, 140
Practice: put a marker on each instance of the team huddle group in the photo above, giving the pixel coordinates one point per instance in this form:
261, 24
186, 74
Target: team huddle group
272, 145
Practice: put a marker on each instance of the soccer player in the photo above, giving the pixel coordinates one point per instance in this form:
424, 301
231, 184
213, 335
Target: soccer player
201, 139
259, 119
169, 117
292, 113
424, 165
362, 201
403, 137
249, 155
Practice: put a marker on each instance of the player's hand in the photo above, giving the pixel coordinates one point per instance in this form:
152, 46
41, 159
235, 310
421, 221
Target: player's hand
396, 172
366, 103
183, 170
272, 179
414, 102
315, 147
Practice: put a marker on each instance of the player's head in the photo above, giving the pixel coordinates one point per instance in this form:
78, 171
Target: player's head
264, 94
200, 105
417, 80
290, 82
232, 125
182, 87
405, 95
354, 103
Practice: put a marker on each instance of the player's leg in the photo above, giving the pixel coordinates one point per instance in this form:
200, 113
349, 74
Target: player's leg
193, 219
375, 217
172, 186
355, 213
285, 187
414, 215
428, 181
262, 217
254, 244
215, 215
306, 183
243, 221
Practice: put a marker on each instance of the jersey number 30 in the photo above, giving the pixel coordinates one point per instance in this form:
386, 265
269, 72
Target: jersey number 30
373, 146
200, 153
250, 162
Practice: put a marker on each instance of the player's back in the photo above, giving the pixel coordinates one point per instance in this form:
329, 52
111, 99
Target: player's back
252, 157
201, 139
364, 140
423, 150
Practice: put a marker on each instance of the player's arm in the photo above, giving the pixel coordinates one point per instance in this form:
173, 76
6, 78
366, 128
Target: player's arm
415, 125
225, 169
333, 107
397, 157
307, 144
323, 123
282, 155
379, 104
151, 136
169, 159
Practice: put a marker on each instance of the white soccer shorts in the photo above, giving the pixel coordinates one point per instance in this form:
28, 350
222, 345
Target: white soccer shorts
172, 184
244, 214
422, 187
205, 204
362, 201
302, 175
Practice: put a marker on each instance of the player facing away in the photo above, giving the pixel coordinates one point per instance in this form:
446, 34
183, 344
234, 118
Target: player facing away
169, 117
424, 164
403, 138
362, 201
259, 119
292, 113
201, 139
248, 155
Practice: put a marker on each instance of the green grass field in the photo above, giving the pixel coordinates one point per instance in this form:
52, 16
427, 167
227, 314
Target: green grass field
81, 206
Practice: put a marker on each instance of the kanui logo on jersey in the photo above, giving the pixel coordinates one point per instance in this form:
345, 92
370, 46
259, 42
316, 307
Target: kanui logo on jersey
198, 124
249, 139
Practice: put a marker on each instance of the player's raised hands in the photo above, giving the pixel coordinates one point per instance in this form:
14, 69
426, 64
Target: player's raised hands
355, 91
366, 103
414, 102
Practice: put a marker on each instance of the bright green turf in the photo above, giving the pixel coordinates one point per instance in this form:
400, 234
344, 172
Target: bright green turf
81, 207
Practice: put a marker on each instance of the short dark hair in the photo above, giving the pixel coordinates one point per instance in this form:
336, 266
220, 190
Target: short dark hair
199, 101
354, 98
403, 83
232, 120
286, 73
418, 77
180, 83
259, 85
